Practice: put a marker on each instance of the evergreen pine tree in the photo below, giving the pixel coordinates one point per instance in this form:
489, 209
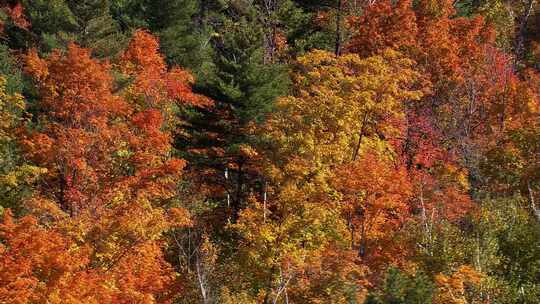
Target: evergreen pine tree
244, 89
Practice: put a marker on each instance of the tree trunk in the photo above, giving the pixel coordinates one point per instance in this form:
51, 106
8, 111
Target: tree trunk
270, 27
519, 47
239, 185
532, 202
361, 135
339, 16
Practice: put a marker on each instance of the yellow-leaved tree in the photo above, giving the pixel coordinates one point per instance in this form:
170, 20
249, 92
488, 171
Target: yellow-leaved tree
340, 110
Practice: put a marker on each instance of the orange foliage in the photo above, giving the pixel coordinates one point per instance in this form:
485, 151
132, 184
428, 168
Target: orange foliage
142, 61
327, 275
78, 140
109, 176
382, 26
471, 90
442, 45
88, 140
39, 265
451, 289
375, 193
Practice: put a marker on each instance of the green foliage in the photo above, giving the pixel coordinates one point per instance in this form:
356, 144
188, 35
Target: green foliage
180, 24
16, 176
57, 22
8, 68
239, 78
401, 288
500, 241
312, 33
520, 256
244, 89
96, 29
466, 8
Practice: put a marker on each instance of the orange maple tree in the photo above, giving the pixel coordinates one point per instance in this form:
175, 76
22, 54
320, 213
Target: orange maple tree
110, 180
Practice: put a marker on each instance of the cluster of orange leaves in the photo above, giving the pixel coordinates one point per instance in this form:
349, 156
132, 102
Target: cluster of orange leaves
452, 289
42, 265
96, 218
143, 62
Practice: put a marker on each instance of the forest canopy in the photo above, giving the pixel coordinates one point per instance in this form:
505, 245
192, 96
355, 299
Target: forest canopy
269, 151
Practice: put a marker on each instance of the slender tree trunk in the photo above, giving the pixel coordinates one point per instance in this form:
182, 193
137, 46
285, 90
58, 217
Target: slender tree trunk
339, 16
362, 242
201, 277
426, 226
270, 24
265, 186
519, 47
239, 185
532, 202
283, 283
351, 228
64, 204
226, 174
361, 135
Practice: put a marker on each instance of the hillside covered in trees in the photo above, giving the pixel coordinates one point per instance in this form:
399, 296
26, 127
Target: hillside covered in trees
269, 151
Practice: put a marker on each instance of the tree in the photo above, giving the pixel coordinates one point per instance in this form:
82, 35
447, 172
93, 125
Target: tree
338, 105
469, 86
110, 181
375, 193
181, 26
55, 24
290, 248
342, 120
244, 89
383, 25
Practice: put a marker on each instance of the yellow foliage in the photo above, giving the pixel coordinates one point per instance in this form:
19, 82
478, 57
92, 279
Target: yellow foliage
339, 101
10, 105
